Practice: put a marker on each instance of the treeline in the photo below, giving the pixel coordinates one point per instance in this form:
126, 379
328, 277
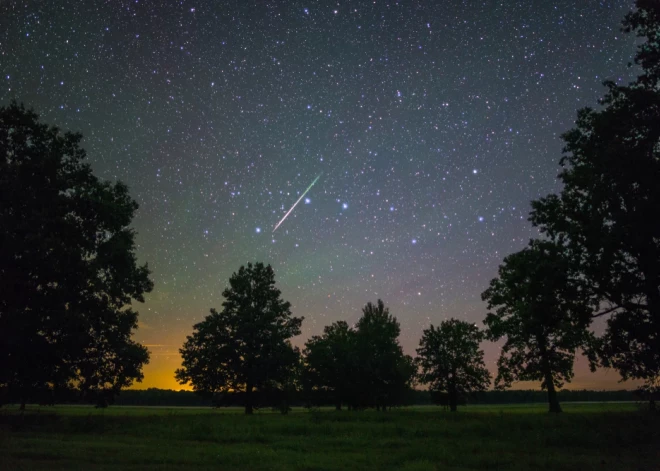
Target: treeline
155, 397
529, 396
170, 398
242, 355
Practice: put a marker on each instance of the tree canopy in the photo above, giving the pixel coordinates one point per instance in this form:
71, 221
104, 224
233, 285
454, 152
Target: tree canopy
605, 215
451, 361
541, 312
362, 366
385, 373
67, 266
330, 363
245, 346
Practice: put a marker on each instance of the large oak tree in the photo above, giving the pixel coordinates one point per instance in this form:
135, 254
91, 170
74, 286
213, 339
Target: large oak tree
384, 373
607, 213
68, 268
451, 361
246, 346
541, 312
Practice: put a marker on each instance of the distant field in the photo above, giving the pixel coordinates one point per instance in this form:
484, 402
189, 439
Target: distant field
614, 436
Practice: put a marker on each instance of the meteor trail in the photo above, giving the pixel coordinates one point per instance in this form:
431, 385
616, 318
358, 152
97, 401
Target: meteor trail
294, 204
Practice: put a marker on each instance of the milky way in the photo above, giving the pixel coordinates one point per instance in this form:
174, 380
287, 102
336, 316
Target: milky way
434, 123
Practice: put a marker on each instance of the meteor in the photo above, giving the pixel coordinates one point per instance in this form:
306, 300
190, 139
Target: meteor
294, 204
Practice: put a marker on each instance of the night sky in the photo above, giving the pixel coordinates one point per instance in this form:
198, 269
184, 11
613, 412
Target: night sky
432, 124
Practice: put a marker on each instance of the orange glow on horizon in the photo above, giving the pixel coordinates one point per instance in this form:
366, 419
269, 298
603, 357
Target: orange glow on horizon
160, 374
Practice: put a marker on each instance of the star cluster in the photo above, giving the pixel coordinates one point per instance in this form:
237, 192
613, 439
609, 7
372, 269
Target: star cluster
433, 124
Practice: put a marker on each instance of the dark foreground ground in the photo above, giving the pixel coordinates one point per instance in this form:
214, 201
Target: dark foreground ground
585, 437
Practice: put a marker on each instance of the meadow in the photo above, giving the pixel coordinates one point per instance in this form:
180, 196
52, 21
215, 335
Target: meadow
518, 437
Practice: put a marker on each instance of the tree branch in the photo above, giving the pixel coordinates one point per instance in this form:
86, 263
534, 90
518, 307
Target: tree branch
605, 312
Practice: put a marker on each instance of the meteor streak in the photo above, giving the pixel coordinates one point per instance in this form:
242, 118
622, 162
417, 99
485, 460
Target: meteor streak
294, 204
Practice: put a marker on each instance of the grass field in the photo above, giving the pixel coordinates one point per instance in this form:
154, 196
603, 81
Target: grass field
587, 436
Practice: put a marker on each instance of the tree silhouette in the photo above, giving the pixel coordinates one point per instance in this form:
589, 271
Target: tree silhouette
451, 361
541, 311
246, 346
68, 268
330, 363
605, 214
384, 372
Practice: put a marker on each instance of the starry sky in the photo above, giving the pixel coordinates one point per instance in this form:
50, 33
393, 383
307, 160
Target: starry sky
432, 124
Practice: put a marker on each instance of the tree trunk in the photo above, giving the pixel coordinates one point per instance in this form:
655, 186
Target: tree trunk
248, 399
553, 401
453, 399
